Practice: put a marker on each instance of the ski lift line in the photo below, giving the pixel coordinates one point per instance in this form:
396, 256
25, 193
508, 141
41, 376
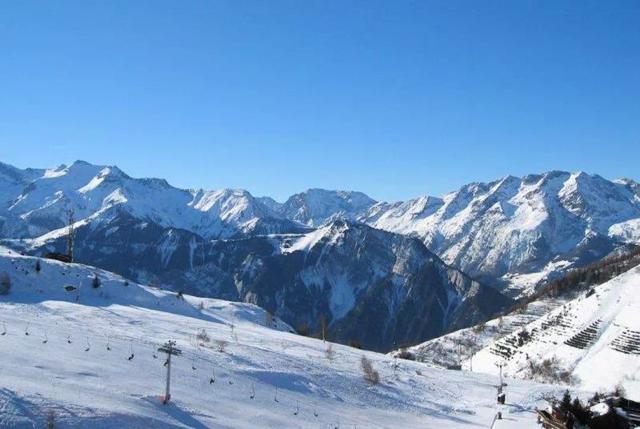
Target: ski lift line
213, 379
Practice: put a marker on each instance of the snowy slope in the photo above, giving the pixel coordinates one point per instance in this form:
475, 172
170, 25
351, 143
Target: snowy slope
458, 348
86, 385
595, 339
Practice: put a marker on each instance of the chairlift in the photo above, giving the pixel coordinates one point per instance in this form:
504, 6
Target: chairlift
26, 330
4, 329
253, 392
193, 364
69, 339
213, 376
275, 396
131, 354
315, 413
46, 339
297, 408
88, 345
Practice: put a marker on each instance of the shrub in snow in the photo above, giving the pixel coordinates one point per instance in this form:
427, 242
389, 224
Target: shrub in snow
269, 319
478, 329
5, 284
203, 336
355, 344
329, 353
51, 419
406, 354
549, 371
370, 375
37, 267
303, 329
222, 345
95, 283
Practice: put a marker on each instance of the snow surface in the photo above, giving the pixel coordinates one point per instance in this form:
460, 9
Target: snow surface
611, 312
98, 388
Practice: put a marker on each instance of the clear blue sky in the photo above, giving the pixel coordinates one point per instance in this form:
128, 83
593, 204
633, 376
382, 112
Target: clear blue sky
394, 98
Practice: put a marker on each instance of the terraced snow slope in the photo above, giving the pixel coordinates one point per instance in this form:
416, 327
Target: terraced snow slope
595, 339
457, 348
86, 385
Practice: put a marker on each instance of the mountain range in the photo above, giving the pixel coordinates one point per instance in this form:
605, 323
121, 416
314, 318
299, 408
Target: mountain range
378, 273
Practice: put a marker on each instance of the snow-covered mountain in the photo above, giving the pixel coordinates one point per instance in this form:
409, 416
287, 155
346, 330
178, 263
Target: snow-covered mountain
517, 231
371, 286
76, 356
315, 207
39, 203
521, 230
222, 243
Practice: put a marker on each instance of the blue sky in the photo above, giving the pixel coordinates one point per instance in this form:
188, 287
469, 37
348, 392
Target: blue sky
394, 98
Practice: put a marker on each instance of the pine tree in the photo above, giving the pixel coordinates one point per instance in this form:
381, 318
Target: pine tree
95, 283
38, 268
565, 404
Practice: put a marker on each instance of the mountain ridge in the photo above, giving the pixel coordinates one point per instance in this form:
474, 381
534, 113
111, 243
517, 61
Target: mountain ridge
511, 234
